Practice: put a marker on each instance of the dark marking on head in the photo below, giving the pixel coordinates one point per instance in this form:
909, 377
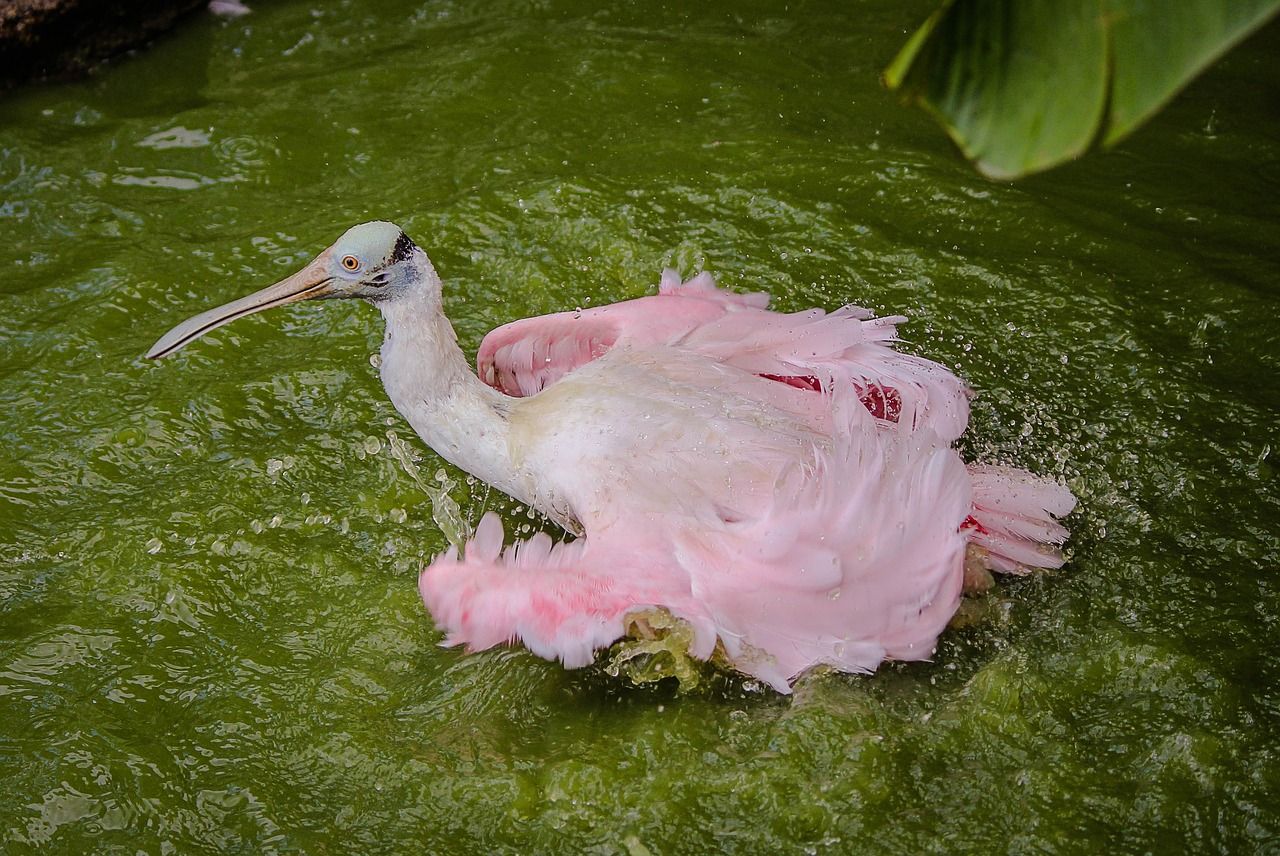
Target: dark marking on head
402, 251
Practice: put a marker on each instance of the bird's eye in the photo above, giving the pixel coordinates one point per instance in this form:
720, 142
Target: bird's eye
351, 263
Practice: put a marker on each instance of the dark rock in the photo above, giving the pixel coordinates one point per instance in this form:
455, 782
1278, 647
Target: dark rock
41, 39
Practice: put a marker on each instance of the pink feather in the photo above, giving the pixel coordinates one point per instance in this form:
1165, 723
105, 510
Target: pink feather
799, 502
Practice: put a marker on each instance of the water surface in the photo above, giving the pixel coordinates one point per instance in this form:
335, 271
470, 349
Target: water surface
210, 635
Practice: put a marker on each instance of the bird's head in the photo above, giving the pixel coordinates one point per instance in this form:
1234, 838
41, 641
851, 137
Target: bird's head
373, 261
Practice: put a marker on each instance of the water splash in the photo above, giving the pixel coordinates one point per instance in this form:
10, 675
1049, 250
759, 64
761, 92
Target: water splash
656, 647
444, 510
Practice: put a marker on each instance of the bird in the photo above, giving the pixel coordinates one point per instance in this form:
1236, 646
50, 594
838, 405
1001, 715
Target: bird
784, 483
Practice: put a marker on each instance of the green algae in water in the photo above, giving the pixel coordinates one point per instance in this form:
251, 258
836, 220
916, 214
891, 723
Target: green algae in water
656, 648
210, 634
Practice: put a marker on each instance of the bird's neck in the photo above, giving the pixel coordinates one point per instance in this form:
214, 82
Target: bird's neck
431, 383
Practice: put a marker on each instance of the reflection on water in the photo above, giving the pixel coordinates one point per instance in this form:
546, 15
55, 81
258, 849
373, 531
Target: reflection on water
210, 635
176, 137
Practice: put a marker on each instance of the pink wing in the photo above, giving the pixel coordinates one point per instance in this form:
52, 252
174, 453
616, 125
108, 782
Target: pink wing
524, 357
1013, 518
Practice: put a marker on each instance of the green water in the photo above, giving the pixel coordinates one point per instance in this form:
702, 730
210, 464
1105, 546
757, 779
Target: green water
210, 635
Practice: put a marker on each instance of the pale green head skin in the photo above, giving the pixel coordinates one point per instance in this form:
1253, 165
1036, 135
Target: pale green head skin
366, 255
373, 261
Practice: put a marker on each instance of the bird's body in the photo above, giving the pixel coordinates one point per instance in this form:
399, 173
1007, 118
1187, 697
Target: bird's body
783, 483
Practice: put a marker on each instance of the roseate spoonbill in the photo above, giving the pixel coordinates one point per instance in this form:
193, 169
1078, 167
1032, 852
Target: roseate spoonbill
784, 483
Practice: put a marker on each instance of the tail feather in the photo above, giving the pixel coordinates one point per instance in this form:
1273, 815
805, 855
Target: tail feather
1013, 518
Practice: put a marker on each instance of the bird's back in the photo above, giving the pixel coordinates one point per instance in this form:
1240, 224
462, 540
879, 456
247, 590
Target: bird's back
660, 430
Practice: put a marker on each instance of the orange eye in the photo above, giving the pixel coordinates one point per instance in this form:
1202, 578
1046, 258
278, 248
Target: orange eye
351, 263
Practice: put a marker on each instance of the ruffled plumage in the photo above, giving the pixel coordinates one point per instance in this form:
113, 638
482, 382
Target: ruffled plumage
782, 482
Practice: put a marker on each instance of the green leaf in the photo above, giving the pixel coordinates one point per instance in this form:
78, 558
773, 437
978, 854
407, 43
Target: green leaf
1023, 85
